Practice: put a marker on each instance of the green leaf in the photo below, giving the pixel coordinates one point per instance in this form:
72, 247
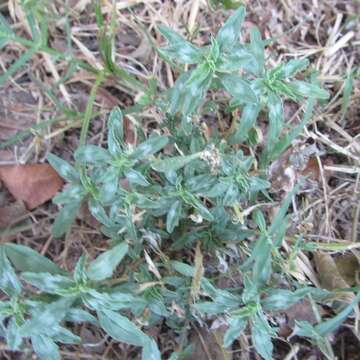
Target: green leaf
26, 259
348, 86
291, 68
305, 329
261, 340
182, 268
185, 98
135, 177
70, 194
328, 326
247, 121
149, 147
281, 213
64, 169
121, 328
259, 219
109, 186
202, 210
229, 33
98, 212
65, 218
257, 184
150, 351
65, 336
53, 284
116, 300
276, 123
80, 275
179, 49
239, 57
236, 325
239, 89
302, 88
80, 316
281, 299
210, 308
13, 336
257, 48
284, 142
47, 317
200, 183
173, 216
173, 163
262, 265
91, 154
105, 264
115, 132
232, 195
9, 282
45, 348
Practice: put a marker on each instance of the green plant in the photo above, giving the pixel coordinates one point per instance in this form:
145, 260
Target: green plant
185, 190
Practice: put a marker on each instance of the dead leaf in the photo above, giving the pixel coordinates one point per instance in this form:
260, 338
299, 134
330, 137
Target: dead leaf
199, 271
301, 311
329, 276
34, 183
349, 267
129, 131
9, 215
208, 345
85, 215
17, 111
151, 266
92, 340
293, 164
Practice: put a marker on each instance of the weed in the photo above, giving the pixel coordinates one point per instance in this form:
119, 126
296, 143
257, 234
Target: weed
186, 189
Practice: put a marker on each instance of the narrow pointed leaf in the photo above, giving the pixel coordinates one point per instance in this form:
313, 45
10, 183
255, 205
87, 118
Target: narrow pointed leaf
26, 259
149, 147
305, 89
173, 163
135, 177
105, 264
115, 132
229, 33
239, 89
64, 169
65, 218
121, 328
91, 154
180, 50
173, 216
9, 282
45, 348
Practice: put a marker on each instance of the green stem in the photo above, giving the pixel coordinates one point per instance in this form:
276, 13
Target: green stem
89, 107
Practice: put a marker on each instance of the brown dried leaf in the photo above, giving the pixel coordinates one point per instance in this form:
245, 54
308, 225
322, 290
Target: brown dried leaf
16, 111
301, 311
199, 271
208, 345
349, 267
34, 184
9, 215
329, 276
129, 132
293, 164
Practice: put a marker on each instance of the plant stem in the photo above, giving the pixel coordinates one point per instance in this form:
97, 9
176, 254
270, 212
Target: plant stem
89, 107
